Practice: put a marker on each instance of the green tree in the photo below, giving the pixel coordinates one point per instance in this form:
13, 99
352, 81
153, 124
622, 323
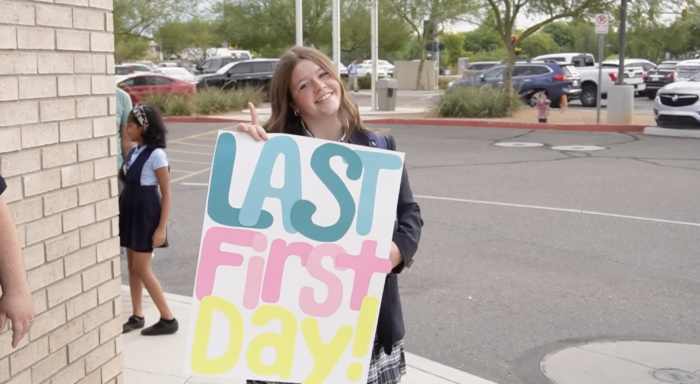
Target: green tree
482, 40
454, 48
426, 18
198, 35
131, 48
501, 15
540, 43
562, 34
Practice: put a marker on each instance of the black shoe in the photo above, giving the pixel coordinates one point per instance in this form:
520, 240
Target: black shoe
162, 327
133, 324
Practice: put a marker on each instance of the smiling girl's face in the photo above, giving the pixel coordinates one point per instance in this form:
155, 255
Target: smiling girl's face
315, 92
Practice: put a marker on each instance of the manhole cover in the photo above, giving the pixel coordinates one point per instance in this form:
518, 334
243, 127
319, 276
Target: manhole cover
513, 144
676, 376
579, 148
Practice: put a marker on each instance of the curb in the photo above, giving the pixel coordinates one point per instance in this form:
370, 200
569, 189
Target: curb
670, 132
508, 124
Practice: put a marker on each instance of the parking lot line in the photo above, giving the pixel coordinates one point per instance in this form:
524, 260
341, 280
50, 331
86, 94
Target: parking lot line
189, 152
196, 145
559, 210
190, 175
198, 135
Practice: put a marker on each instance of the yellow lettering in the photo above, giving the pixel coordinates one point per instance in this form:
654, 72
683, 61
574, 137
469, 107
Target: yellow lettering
200, 363
283, 343
325, 356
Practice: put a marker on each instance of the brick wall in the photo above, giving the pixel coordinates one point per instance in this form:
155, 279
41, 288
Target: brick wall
58, 154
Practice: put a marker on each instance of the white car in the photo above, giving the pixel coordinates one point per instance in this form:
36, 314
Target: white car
366, 70
677, 105
387, 66
686, 70
178, 73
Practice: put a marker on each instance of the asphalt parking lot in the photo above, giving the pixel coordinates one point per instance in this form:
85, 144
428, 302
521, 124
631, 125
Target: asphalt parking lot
525, 246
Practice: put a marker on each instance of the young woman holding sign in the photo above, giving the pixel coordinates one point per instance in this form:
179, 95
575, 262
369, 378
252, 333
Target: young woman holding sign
308, 98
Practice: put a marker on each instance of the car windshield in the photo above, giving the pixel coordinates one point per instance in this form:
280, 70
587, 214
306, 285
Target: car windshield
695, 79
175, 71
667, 67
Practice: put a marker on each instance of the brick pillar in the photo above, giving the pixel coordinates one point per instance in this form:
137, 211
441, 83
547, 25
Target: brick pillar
58, 154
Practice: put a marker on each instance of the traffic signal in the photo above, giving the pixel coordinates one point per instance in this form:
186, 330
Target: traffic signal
517, 51
433, 46
514, 37
684, 15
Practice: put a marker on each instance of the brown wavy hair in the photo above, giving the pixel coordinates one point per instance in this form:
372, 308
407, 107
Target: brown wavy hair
282, 119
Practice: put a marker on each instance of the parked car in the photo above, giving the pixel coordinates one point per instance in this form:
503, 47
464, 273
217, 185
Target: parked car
576, 59
142, 85
178, 73
634, 76
686, 70
532, 77
137, 67
676, 105
225, 52
213, 64
477, 68
256, 72
343, 70
123, 70
385, 65
366, 70
660, 77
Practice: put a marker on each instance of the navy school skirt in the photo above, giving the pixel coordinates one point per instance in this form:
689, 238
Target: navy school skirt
139, 217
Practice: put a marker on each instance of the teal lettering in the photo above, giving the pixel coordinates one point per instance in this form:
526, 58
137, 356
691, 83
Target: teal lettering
219, 208
373, 162
261, 189
303, 210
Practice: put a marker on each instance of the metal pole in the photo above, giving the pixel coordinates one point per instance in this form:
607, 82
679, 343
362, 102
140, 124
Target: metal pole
623, 42
599, 101
336, 35
437, 58
374, 48
299, 23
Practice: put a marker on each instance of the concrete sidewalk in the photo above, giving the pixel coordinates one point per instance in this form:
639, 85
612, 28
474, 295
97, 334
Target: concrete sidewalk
160, 360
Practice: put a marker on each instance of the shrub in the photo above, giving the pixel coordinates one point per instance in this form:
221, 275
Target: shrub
479, 102
238, 99
210, 101
158, 101
179, 106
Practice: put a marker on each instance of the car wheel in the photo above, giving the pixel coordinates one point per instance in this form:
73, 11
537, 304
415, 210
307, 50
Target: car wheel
651, 95
531, 100
589, 95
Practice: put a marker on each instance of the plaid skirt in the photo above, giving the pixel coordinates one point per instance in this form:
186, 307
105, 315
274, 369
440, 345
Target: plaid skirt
383, 368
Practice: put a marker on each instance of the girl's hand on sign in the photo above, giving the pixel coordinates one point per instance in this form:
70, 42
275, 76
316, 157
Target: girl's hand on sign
159, 237
395, 255
254, 129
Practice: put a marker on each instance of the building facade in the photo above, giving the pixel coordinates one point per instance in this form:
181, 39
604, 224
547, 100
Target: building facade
58, 155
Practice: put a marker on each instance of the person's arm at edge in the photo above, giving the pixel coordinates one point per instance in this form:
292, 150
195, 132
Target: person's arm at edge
16, 300
164, 182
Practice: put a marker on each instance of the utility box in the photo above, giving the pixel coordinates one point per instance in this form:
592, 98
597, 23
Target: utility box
386, 92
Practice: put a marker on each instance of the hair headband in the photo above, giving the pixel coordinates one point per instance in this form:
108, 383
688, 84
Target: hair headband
140, 114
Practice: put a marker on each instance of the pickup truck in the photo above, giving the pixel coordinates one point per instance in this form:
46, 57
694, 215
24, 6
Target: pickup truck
634, 75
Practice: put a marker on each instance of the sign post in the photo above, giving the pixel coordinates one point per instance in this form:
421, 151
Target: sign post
602, 27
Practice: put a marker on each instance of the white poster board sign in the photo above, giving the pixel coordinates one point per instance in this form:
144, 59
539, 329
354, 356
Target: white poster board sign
294, 254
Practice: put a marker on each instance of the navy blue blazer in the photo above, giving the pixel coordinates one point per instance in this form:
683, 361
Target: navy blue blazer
390, 327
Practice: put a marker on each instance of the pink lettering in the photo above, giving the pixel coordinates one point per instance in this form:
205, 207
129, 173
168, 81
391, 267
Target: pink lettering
365, 265
307, 303
212, 256
279, 253
253, 284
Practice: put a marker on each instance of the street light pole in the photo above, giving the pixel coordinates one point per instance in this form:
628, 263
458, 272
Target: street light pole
336, 35
374, 45
623, 42
299, 23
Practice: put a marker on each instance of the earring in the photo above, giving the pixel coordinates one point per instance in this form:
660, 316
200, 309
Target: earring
296, 112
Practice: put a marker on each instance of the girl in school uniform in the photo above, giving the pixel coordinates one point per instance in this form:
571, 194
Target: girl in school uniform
309, 99
143, 215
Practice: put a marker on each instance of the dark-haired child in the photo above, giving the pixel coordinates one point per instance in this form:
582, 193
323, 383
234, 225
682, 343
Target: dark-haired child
143, 215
